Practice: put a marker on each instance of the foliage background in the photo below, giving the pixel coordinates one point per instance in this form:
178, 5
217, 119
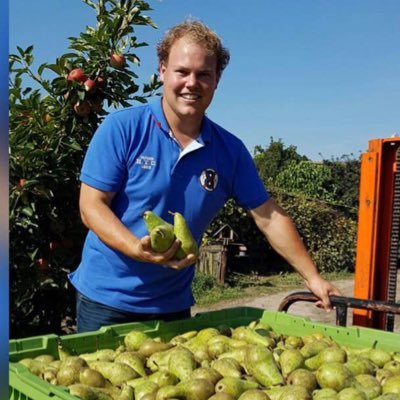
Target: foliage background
52, 120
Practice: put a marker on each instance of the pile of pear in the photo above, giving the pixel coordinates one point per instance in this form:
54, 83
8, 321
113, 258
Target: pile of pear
163, 234
251, 362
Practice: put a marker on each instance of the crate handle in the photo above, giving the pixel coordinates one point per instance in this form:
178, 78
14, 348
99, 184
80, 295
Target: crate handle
341, 303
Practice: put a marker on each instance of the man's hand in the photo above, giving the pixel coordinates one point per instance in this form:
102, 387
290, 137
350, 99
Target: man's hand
323, 289
144, 252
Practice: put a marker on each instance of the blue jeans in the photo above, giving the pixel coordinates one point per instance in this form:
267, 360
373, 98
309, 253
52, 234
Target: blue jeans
91, 316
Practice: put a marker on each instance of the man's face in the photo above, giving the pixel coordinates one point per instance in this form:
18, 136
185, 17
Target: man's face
190, 79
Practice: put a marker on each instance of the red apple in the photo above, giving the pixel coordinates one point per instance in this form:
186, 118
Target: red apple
90, 85
117, 61
42, 264
82, 108
21, 183
77, 75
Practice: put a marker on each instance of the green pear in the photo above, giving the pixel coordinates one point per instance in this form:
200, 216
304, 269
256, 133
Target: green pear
360, 365
275, 392
260, 363
64, 351
115, 372
290, 360
294, 342
216, 348
312, 348
351, 393
163, 378
55, 364
388, 396
135, 382
183, 234
159, 360
222, 396
303, 377
327, 355
67, 376
99, 355
49, 374
383, 374
252, 337
134, 339
254, 394
392, 385
197, 389
149, 396
145, 388
393, 366
36, 367
86, 392
235, 386
152, 220
226, 340
369, 385
90, 377
161, 238
207, 373
295, 393
45, 358
134, 360
170, 392
73, 361
183, 337
205, 334
324, 394
199, 350
127, 393
150, 346
228, 367
181, 363
379, 357
334, 376
237, 353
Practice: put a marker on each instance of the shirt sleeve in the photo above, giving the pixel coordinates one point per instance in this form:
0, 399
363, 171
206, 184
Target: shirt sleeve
248, 189
104, 165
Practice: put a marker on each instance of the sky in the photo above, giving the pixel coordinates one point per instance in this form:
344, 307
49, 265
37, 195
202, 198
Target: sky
321, 75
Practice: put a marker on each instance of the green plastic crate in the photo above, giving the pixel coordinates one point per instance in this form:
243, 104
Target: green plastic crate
26, 386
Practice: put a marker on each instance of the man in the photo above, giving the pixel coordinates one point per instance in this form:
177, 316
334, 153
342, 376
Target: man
168, 156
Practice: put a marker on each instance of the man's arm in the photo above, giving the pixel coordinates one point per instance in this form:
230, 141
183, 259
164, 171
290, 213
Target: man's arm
97, 215
283, 236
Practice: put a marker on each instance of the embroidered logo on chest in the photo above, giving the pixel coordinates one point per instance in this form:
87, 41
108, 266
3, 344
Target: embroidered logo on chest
146, 162
209, 179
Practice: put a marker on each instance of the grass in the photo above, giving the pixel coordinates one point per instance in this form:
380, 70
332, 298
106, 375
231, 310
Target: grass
207, 290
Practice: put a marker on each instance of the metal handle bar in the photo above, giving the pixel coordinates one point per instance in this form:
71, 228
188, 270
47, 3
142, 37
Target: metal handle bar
341, 304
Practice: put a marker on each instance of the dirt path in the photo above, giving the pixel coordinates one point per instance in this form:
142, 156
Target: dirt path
303, 309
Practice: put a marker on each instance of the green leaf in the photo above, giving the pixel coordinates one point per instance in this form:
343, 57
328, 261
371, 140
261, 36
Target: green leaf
74, 145
27, 211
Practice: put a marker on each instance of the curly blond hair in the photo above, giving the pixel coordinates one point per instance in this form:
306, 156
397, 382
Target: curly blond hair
199, 33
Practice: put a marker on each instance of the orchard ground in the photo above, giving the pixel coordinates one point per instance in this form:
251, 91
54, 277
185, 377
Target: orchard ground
309, 310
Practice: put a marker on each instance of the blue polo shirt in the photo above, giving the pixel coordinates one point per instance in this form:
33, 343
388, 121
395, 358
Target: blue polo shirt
134, 155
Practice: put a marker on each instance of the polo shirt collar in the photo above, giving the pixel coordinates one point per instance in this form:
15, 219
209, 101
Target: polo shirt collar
158, 113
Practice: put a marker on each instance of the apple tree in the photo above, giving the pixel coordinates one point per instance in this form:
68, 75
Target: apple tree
54, 111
